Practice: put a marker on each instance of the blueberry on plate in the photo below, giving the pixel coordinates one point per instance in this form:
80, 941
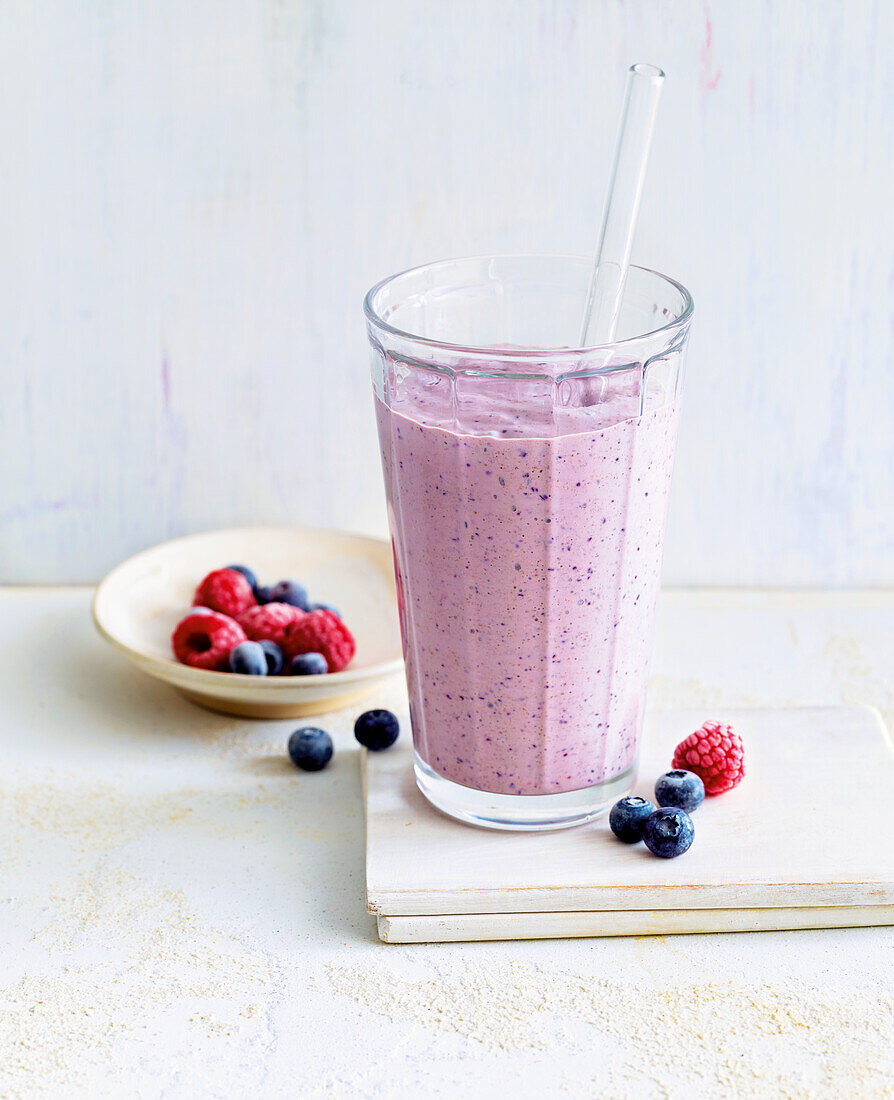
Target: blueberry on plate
376, 730
628, 816
262, 594
310, 748
668, 832
247, 573
308, 664
682, 789
290, 592
326, 607
274, 657
248, 659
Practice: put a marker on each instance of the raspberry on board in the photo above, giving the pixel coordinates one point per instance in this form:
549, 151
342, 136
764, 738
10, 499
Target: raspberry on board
226, 591
320, 632
716, 754
204, 640
268, 622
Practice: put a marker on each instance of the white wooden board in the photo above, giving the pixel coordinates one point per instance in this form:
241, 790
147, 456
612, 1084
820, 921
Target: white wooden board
633, 922
804, 836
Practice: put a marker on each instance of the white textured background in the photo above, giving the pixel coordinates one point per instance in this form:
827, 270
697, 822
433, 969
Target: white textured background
196, 194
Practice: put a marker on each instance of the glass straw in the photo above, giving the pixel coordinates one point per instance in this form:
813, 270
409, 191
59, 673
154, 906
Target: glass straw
644, 83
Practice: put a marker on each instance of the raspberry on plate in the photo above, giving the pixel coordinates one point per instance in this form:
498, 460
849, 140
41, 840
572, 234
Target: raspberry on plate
325, 607
226, 591
268, 622
204, 640
249, 575
716, 754
320, 632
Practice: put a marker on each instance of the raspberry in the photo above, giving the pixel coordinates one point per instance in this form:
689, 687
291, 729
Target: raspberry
268, 623
226, 591
204, 639
320, 632
716, 754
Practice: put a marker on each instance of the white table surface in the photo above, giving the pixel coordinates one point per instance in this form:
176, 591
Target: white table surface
182, 913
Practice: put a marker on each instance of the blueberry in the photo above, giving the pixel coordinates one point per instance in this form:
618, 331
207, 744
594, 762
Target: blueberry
376, 729
310, 748
308, 664
274, 657
684, 790
247, 573
326, 607
262, 593
628, 817
290, 592
249, 659
668, 832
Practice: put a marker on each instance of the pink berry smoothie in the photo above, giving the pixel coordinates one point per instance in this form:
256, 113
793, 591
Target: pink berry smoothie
528, 554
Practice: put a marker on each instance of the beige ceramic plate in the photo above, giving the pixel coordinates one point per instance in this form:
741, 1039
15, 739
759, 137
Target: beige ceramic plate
140, 602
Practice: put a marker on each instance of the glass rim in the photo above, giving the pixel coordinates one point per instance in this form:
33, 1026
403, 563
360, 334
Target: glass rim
379, 322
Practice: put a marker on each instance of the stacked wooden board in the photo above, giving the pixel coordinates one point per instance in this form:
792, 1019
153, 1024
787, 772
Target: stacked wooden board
804, 842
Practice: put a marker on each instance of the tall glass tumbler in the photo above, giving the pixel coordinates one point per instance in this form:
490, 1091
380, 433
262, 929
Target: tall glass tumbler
527, 486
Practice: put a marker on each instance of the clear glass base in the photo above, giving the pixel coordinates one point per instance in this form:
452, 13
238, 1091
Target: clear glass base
520, 812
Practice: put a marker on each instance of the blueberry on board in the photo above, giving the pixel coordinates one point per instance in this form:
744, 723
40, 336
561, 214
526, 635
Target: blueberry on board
290, 592
679, 788
326, 607
628, 816
249, 659
310, 748
247, 573
274, 657
308, 664
262, 594
376, 729
668, 832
